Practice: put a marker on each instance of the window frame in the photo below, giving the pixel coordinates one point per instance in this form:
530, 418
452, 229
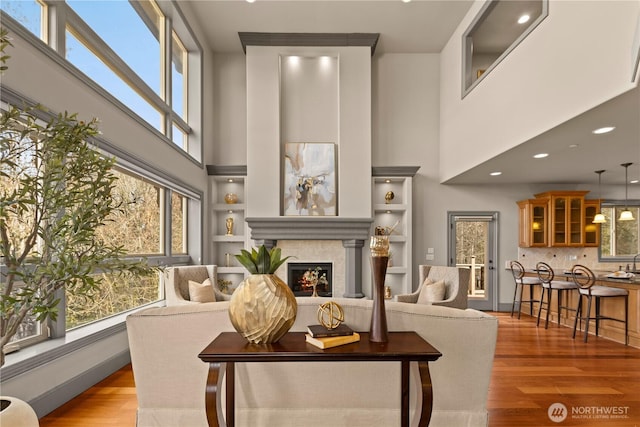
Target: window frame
467, 44
59, 15
604, 227
141, 170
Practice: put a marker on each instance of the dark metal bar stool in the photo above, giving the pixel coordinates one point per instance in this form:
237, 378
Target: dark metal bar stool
585, 280
549, 284
521, 282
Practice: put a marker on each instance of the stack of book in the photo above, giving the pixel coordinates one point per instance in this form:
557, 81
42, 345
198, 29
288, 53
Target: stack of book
323, 337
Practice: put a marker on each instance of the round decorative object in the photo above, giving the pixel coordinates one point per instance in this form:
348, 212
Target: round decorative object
262, 308
16, 412
389, 197
230, 198
330, 315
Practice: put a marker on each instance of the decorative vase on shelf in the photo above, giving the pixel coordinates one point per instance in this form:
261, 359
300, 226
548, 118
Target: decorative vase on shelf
379, 247
263, 307
230, 198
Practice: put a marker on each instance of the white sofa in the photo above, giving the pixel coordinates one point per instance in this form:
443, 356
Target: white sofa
170, 378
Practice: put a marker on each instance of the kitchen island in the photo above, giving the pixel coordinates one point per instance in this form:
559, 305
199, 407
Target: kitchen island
613, 307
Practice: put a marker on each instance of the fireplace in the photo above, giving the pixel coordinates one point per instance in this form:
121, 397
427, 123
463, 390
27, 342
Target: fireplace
303, 276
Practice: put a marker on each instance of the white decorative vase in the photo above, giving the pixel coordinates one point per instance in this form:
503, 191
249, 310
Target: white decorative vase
263, 308
16, 413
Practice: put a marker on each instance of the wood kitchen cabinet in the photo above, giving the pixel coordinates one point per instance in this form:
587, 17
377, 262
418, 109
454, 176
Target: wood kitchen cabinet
534, 216
557, 219
591, 230
566, 222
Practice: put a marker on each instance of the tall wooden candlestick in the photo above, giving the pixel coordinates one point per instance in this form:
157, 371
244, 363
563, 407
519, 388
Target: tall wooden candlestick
379, 260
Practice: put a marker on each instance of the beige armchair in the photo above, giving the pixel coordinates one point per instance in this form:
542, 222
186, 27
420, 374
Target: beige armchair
176, 282
456, 280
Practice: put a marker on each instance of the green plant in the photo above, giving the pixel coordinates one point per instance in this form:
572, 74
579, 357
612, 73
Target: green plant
261, 261
55, 193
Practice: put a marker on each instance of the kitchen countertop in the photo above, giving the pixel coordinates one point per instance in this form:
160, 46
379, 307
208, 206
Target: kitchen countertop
601, 276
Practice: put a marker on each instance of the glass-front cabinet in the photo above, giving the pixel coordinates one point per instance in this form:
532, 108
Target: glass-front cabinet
557, 219
591, 230
533, 223
567, 217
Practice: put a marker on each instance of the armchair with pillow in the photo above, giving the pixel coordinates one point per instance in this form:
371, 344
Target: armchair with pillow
440, 285
191, 284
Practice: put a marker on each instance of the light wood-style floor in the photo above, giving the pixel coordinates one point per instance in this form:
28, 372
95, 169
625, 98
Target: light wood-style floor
533, 369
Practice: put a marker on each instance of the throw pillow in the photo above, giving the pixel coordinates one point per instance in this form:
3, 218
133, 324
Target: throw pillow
431, 291
201, 292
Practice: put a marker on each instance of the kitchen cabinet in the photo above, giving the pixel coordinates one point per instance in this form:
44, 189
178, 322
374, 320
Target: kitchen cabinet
558, 219
566, 223
534, 216
591, 230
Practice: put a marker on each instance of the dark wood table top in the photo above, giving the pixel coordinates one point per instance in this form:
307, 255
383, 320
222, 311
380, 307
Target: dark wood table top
402, 346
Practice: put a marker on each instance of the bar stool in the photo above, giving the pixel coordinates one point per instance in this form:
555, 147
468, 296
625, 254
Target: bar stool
549, 284
585, 280
521, 281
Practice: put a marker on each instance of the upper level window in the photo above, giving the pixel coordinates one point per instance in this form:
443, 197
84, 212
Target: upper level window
141, 52
496, 31
32, 14
133, 37
80, 54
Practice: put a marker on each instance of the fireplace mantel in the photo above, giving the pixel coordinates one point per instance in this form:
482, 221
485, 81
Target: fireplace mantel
310, 228
353, 232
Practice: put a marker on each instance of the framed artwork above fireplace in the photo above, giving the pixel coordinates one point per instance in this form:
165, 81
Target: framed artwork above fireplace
309, 179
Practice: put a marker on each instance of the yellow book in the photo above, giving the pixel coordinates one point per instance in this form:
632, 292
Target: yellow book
328, 342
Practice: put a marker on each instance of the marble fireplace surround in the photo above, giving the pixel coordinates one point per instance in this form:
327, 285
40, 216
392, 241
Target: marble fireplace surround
352, 232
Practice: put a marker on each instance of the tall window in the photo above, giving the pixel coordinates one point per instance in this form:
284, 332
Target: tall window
132, 50
31, 14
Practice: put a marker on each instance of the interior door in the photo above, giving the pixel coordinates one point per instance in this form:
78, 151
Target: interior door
472, 245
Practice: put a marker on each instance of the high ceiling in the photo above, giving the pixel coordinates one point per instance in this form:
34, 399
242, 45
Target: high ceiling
424, 26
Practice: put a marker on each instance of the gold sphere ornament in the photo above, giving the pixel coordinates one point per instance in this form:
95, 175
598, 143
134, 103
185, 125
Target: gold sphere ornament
230, 198
389, 197
330, 315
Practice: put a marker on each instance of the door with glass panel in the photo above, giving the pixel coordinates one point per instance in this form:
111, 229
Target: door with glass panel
472, 245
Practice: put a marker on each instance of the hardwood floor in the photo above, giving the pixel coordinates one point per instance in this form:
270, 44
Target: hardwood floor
598, 383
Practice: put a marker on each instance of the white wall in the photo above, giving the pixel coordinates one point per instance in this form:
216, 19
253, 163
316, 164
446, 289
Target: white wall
264, 136
405, 132
548, 79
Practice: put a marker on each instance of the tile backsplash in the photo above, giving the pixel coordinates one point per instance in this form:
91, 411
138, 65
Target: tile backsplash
565, 258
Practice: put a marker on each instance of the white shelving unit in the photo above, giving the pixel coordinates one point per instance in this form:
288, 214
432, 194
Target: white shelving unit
224, 245
396, 211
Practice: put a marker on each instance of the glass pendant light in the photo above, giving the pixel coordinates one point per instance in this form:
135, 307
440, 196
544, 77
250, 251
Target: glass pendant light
599, 217
626, 214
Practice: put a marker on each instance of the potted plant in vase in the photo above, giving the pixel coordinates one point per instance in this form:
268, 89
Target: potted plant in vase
262, 308
55, 193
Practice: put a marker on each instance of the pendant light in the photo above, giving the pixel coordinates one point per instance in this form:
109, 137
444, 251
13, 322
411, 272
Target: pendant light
626, 214
599, 218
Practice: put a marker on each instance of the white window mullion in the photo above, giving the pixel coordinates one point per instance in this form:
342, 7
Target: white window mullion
165, 45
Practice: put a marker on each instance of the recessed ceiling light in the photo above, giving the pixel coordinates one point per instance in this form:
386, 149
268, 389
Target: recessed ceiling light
540, 155
523, 19
250, 1
495, 173
634, 181
406, 1
602, 130
573, 146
